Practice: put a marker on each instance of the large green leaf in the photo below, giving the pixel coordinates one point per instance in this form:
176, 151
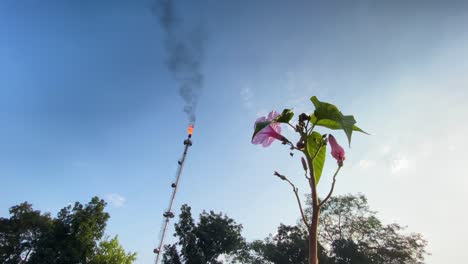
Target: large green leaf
325, 110
314, 143
259, 126
347, 122
330, 116
285, 116
331, 124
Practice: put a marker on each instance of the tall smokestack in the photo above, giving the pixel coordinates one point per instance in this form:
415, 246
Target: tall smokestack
184, 55
168, 214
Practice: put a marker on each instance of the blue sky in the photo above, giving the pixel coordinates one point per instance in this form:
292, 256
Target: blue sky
88, 108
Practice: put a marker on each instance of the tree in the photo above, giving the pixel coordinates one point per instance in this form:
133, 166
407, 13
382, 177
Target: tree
171, 256
204, 242
312, 147
347, 252
72, 237
288, 246
75, 234
20, 235
352, 233
110, 252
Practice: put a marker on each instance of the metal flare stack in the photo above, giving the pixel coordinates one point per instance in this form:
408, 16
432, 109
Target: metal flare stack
168, 214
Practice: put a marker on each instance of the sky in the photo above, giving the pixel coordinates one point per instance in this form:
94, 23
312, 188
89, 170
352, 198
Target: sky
88, 107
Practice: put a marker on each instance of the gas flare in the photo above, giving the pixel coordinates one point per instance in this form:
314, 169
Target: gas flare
190, 130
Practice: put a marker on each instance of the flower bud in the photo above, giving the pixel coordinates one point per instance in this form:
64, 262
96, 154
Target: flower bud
336, 150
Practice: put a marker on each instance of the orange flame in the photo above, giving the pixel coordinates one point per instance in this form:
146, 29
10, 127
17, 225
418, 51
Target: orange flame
190, 129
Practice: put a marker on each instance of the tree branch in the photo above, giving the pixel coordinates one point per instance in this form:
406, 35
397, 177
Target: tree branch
296, 193
27, 256
331, 189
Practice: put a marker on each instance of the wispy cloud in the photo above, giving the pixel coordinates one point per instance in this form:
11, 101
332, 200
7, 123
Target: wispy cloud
247, 96
116, 200
399, 164
366, 163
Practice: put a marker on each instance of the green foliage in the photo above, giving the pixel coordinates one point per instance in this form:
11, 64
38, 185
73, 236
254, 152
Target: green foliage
285, 116
21, 234
80, 226
317, 151
352, 232
346, 251
111, 252
171, 256
214, 235
332, 124
31, 237
329, 116
288, 246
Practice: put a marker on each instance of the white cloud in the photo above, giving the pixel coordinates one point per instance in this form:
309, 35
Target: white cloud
365, 163
116, 200
246, 95
399, 164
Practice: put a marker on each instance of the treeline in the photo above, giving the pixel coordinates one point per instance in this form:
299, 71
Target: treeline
350, 233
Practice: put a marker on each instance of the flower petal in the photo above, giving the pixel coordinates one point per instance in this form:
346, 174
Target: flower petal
336, 150
268, 134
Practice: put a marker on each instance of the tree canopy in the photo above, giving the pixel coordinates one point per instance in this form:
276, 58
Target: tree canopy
288, 246
111, 252
74, 236
352, 233
214, 235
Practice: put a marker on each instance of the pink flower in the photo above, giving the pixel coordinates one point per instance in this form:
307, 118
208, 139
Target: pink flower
336, 150
267, 135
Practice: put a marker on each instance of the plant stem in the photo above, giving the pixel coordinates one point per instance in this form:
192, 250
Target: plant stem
313, 235
296, 193
332, 187
313, 228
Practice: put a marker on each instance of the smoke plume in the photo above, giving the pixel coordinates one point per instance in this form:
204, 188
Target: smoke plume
184, 55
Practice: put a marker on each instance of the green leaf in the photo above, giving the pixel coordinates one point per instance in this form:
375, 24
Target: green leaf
285, 116
330, 116
347, 122
259, 126
332, 124
325, 110
314, 142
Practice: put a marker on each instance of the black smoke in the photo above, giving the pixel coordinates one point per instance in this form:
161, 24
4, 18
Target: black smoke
184, 55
